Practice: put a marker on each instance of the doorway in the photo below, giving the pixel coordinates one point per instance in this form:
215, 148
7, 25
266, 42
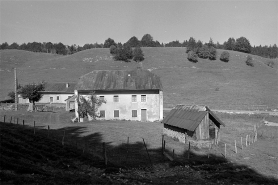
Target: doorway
143, 114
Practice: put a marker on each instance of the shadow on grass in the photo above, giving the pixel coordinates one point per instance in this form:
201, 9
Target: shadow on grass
130, 156
137, 155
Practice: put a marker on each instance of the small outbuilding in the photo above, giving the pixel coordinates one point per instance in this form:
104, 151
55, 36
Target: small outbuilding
193, 123
70, 103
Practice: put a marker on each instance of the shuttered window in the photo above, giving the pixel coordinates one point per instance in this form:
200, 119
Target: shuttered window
102, 113
116, 98
116, 113
134, 98
143, 98
134, 113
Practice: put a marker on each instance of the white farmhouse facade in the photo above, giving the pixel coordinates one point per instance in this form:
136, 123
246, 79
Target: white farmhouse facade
54, 93
129, 95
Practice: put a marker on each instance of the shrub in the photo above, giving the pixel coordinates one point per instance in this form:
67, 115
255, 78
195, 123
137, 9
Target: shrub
212, 53
270, 63
225, 56
138, 55
249, 61
203, 52
192, 56
113, 49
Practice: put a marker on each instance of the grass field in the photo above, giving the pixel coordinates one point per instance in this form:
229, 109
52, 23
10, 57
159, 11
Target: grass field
213, 83
255, 164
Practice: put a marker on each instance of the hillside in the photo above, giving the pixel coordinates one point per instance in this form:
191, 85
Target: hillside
214, 83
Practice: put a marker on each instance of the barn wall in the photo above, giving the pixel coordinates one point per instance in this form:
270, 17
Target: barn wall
181, 134
202, 131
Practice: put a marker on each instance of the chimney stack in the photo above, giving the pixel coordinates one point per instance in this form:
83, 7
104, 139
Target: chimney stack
67, 85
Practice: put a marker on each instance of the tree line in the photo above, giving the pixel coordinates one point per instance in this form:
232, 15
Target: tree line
241, 44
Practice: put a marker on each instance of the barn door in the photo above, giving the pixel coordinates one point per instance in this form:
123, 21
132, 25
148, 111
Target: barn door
143, 114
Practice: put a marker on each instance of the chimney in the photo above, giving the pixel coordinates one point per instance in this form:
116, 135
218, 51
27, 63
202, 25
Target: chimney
67, 85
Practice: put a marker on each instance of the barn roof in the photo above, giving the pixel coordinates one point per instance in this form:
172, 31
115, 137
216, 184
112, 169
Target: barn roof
60, 87
137, 79
189, 117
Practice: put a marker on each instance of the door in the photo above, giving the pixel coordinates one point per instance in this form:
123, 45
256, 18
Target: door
71, 105
51, 99
143, 114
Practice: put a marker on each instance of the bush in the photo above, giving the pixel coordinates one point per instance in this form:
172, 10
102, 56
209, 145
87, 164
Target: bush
225, 56
203, 52
113, 50
212, 53
192, 56
138, 55
249, 61
270, 64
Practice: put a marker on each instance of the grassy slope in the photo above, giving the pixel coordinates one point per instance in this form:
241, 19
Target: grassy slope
213, 83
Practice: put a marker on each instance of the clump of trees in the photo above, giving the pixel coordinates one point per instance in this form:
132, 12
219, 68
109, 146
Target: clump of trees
201, 50
249, 61
225, 56
89, 106
33, 93
126, 53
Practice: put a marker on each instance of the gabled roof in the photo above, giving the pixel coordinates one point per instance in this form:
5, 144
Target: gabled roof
137, 79
60, 87
70, 98
188, 117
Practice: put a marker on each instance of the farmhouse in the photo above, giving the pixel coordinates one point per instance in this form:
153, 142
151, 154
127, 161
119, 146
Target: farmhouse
192, 123
54, 93
129, 95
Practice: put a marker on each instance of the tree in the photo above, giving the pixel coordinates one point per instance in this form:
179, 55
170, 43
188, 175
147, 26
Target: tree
230, 44
225, 56
60, 48
147, 41
203, 52
128, 51
192, 56
249, 61
89, 106
14, 46
243, 45
4, 45
33, 93
191, 45
138, 55
109, 42
133, 42
211, 43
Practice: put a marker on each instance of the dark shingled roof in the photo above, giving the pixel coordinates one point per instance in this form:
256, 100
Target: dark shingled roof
189, 117
137, 79
60, 87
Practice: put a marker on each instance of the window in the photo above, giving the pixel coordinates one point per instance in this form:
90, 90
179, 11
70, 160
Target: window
143, 98
58, 97
134, 98
101, 98
102, 113
116, 113
134, 113
51, 99
116, 98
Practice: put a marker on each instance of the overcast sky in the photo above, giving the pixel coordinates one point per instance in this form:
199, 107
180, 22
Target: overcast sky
81, 22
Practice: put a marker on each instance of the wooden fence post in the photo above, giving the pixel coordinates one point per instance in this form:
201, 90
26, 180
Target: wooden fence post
173, 153
63, 139
104, 153
162, 143
246, 140
127, 147
17, 121
225, 150
11, 120
23, 123
34, 127
188, 151
47, 130
4, 118
147, 152
241, 143
235, 147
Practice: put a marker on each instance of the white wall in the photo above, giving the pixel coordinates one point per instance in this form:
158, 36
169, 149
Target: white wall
153, 106
46, 98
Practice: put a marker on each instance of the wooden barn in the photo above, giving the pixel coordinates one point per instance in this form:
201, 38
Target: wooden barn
197, 124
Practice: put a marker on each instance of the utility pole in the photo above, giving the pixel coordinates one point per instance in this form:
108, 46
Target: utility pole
15, 90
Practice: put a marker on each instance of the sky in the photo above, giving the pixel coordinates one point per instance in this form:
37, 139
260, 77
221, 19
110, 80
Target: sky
81, 22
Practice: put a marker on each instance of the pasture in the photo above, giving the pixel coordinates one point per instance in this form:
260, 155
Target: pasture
214, 83
256, 163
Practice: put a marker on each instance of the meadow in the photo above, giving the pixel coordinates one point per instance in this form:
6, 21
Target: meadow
214, 83
256, 163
